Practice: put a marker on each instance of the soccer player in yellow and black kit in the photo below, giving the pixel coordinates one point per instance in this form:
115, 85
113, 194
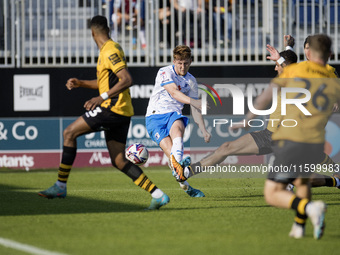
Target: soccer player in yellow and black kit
306, 50
299, 149
111, 111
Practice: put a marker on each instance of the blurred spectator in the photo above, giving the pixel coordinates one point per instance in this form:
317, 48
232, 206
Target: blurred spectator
164, 13
189, 7
121, 10
109, 4
221, 13
129, 10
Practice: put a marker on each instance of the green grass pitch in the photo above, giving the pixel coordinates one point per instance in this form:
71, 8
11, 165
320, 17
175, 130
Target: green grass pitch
103, 214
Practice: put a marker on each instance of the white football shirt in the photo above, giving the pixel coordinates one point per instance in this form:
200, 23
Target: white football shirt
161, 101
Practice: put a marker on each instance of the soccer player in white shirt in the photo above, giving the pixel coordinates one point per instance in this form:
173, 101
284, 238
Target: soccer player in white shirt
174, 87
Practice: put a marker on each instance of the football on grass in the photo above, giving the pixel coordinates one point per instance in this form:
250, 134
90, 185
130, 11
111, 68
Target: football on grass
137, 153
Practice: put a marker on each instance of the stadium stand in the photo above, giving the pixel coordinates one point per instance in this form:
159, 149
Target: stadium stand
56, 33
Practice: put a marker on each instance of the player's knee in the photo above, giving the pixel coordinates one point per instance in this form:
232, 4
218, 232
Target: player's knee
225, 149
69, 134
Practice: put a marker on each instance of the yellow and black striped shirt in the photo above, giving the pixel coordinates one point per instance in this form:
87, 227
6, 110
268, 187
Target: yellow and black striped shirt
112, 60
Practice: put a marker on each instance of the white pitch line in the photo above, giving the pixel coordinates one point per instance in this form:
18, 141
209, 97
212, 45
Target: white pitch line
26, 248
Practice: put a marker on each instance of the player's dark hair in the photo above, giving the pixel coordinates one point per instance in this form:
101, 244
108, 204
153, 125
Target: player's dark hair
322, 44
307, 40
289, 56
99, 23
182, 52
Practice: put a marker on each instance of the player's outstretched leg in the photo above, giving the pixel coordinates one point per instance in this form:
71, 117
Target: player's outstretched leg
316, 212
53, 192
157, 203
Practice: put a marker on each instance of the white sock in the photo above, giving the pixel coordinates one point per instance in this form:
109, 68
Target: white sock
157, 193
177, 148
61, 185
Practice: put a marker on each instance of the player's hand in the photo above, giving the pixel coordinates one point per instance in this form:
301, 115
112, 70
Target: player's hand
93, 103
274, 54
288, 40
73, 83
207, 137
335, 107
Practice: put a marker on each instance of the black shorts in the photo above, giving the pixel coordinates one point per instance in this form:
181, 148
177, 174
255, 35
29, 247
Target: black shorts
263, 140
293, 160
116, 126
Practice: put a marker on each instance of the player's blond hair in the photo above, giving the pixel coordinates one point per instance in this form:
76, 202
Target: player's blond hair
182, 52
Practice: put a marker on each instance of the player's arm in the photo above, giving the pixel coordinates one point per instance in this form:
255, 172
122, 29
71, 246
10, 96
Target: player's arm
173, 90
125, 81
75, 83
196, 114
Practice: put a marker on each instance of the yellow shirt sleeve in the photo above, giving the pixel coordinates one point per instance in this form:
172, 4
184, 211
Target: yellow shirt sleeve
116, 62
